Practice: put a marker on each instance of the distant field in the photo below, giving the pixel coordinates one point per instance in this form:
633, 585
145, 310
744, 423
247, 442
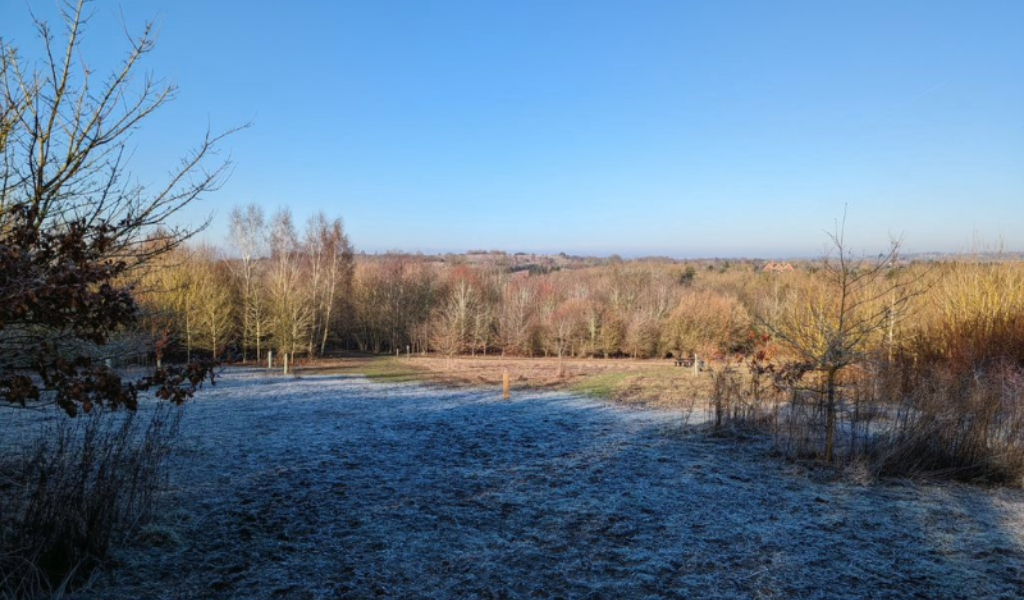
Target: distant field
646, 382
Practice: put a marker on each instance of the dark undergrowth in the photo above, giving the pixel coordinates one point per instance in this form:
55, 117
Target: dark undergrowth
77, 490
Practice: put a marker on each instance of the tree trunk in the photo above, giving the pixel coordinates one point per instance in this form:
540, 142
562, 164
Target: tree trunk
830, 417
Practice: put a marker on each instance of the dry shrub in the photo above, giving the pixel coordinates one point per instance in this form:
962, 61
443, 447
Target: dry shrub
741, 394
706, 320
726, 394
959, 400
966, 427
974, 316
84, 486
896, 420
798, 429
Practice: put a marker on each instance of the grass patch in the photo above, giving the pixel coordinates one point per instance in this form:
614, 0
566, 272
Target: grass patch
389, 369
392, 370
604, 385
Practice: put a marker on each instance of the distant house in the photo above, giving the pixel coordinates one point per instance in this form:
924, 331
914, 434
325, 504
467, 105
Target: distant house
777, 267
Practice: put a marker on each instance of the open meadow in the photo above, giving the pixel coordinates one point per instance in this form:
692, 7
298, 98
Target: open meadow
336, 486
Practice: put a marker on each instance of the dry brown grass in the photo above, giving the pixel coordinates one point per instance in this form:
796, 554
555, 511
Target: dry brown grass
644, 382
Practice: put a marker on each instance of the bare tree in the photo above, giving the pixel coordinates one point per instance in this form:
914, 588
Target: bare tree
566, 324
485, 315
64, 144
831, 325
329, 259
290, 311
249, 236
516, 316
258, 310
73, 222
394, 295
213, 301
453, 322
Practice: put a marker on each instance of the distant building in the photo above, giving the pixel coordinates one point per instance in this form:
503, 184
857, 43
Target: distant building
777, 267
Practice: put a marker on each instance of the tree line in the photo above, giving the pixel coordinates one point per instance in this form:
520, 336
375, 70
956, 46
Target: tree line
283, 290
308, 294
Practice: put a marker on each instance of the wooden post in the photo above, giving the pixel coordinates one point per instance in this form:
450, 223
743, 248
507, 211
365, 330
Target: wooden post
285, 363
696, 364
270, 359
504, 385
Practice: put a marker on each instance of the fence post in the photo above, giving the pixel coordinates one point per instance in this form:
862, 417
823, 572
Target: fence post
696, 364
504, 385
285, 363
270, 359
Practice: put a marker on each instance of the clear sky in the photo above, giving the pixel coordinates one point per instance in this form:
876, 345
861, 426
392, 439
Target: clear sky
682, 128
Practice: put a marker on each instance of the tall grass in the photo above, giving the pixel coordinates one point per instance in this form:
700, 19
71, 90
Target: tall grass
974, 317
895, 420
961, 426
80, 489
938, 393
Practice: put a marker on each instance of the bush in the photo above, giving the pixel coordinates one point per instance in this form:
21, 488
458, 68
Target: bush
969, 428
894, 419
87, 484
707, 321
975, 316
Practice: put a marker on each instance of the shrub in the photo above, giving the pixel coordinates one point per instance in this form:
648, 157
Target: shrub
89, 482
707, 321
966, 427
975, 316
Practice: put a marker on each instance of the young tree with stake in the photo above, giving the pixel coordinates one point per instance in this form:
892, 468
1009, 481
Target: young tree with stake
831, 325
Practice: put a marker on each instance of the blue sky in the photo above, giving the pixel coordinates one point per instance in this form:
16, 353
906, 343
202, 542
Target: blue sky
676, 128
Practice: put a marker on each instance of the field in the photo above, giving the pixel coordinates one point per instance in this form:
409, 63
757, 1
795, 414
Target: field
343, 486
649, 383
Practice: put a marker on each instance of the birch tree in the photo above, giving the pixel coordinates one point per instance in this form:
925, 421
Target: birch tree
289, 306
248, 234
329, 267
213, 302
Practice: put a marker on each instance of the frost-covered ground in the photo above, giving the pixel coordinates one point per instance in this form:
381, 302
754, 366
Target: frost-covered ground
336, 487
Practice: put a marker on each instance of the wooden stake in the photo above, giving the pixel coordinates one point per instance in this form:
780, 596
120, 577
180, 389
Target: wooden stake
285, 363
270, 359
504, 385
